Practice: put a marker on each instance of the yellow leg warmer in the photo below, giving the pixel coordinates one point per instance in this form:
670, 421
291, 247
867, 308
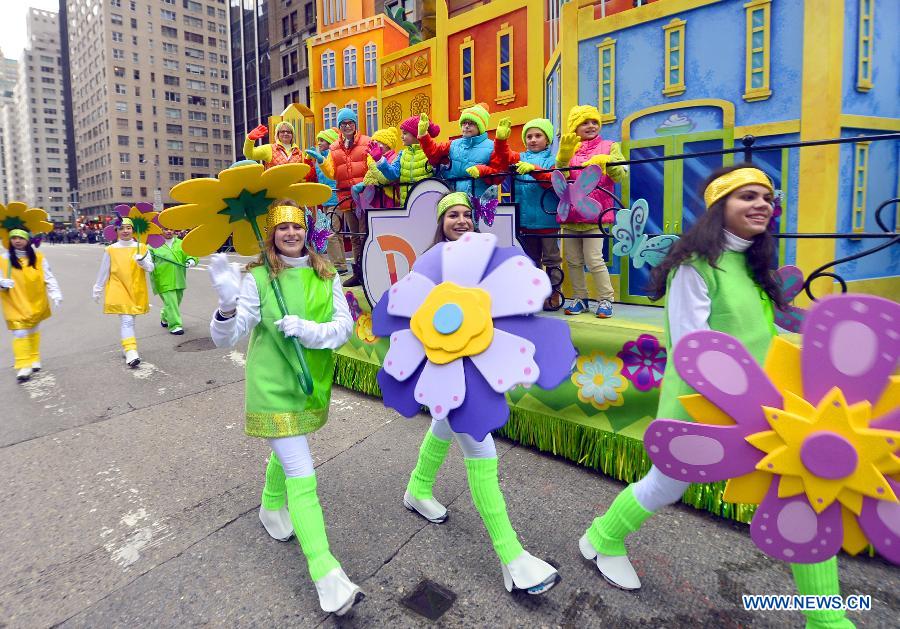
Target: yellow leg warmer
35, 340
22, 352
129, 343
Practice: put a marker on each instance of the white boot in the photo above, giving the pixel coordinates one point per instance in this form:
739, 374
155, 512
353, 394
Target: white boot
527, 572
430, 509
618, 571
337, 593
36, 366
24, 374
132, 359
277, 523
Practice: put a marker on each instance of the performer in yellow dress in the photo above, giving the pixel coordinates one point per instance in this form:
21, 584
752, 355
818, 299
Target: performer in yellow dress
27, 287
123, 280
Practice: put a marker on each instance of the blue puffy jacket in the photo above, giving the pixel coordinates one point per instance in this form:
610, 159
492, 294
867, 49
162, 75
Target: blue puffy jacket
537, 205
466, 152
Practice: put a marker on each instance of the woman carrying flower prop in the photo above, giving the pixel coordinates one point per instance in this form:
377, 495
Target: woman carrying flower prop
461, 336
718, 276
276, 407
145, 226
235, 204
122, 283
812, 437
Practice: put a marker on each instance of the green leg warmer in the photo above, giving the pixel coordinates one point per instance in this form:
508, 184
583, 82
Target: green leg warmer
488, 499
821, 579
171, 313
431, 455
273, 492
625, 515
309, 525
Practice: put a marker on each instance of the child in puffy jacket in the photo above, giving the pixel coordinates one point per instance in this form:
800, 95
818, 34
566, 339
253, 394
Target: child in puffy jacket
583, 146
383, 144
324, 140
412, 165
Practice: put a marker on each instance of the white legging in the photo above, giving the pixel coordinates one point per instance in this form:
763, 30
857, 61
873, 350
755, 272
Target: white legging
293, 452
472, 449
126, 326
656, 490
21, 334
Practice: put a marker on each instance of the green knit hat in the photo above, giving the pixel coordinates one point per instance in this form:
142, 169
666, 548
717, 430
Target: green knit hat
541, 124
478, 115
21, 233
329, 135
127, 221
450, 199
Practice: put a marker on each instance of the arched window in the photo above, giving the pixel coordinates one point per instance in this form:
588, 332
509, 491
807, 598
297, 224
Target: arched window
329, 116
350, 66
370, 63
329, 82
371, 116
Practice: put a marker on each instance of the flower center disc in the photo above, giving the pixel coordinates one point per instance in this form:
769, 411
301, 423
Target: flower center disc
448, 318
828, 455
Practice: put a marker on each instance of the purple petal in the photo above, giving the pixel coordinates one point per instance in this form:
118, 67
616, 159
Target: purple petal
880, 521
516, 287
408, 293
699, 453
790, 530
155, 240
465, 260
554, 352
508, 361
501, 255
429, 263
483, 410
109, 232
648, 345
851, 341
384, 324
400, 396
720, 368
404, 355
123, 210
441, 387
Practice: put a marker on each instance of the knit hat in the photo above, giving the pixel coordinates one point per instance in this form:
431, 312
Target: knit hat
127, 221
329, 135
389, 136
450, 199
21, 233
477, 115
347, 114
541, 124
579, 113
411, 125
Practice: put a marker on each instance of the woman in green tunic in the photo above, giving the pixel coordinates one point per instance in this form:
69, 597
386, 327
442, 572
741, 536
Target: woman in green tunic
276, 407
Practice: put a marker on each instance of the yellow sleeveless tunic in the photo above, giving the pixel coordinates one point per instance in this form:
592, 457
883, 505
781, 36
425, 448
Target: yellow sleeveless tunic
126, 287
25, 304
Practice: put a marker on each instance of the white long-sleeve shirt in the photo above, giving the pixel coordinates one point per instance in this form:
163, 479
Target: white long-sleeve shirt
688, 303
53, 291
328, 335
103, 273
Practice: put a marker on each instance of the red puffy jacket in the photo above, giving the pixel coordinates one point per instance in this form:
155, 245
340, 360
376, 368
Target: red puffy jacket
347, 165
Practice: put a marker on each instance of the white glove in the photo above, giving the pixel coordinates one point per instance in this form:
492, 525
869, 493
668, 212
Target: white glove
226, 279
292, 325
7, 282
97, 294
190, 262
139, 258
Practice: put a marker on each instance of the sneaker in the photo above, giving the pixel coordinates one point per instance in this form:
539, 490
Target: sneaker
430, 509
35, 367
578, 306
617, 571
527, 572
177, 331
132, 359
604, 309
164, 324
23, 374
337, 593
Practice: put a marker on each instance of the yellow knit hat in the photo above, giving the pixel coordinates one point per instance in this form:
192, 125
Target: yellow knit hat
389, 136
580, 113
729, 182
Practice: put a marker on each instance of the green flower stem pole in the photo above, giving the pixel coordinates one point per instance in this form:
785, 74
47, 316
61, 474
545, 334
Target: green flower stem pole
304, 377
156, 256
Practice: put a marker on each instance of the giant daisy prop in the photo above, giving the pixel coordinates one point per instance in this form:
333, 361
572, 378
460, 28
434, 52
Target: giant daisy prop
17, 215
144, 219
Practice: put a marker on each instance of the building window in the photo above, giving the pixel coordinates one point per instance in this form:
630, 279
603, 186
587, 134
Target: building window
865, 41
371, 116
370, 64
329, 116
553, 101
860, 182
606, 97
505, 65
467, 72
756, 69
329, 82
674, 62
350, 66
354, 107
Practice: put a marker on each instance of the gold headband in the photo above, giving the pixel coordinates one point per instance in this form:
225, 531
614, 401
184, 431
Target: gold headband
285, 214
731, 181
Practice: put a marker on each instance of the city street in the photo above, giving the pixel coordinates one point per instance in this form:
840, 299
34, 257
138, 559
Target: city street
130, 498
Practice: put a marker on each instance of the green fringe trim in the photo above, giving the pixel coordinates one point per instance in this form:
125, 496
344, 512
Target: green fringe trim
356, 374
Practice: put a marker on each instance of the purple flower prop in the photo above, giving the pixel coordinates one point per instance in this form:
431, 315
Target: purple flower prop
461, 334
644, 362
815, 437
147, 228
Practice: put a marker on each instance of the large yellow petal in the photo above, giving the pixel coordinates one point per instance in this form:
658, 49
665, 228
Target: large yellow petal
245, 242
782, 365
748, 489
206, 239
854, 538
280, 178
765, 441
890, 398
703, 411
851, 500
790, 486
187, 216
195, 190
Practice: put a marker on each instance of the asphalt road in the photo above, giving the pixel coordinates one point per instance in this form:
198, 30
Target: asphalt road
130, 498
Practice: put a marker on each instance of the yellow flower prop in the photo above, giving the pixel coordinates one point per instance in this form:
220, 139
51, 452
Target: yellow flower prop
364, 329
144, 225
18, 215
235, 204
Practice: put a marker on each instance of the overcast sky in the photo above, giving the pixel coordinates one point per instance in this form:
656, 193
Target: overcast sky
12, 25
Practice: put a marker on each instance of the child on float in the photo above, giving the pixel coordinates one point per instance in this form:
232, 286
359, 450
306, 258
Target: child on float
324, 140
537, 206
718, 276
27, 286
384, 144
276, 409
169, 279
122, 284
461, 157
412, 164
584, 146
520, 569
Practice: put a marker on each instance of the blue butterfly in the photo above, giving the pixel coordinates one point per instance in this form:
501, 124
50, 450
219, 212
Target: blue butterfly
630, 239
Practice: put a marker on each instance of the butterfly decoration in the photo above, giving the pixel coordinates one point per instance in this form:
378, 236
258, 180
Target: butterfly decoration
776, 210
790, 280
484, 208
318, 231
630, 239
363, 200
355, 310
577, 193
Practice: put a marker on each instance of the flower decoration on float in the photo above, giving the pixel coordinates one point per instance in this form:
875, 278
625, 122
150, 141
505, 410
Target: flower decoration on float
644, 362
17, 215
462, 333
147, 229
812, 437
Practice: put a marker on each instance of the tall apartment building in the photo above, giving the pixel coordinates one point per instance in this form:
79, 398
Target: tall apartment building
151, 96
250, 67
291, 23
9, 71
41, 170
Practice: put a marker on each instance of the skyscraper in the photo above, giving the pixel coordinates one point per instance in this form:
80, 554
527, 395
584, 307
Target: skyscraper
9, 72
250, 67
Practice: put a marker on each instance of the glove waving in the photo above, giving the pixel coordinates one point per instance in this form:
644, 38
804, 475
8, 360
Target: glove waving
316, 155
259, 132
423, 124
226, 280
503, 129
375, 151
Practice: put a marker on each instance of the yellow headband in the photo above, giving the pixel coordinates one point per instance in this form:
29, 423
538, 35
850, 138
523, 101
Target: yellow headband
285, 214
731, 181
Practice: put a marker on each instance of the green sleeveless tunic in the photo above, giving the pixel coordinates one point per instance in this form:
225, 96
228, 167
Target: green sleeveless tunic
274, 404
738, 306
